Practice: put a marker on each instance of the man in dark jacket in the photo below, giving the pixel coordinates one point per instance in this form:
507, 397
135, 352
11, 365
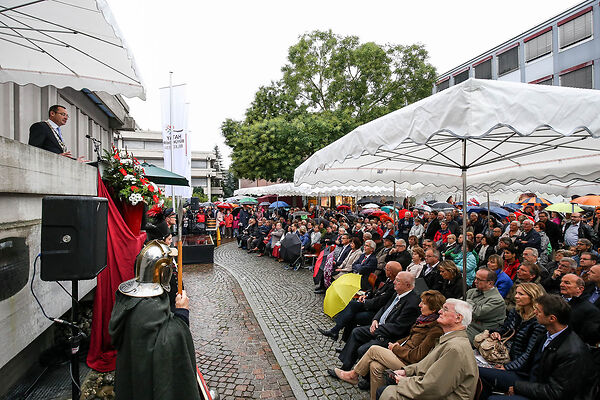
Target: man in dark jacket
392, 322
366, 264
577, 229
361, 311
559, 363
552, 230
431, 272
529, 237
592, 289
400, 254
433, 225
585, 318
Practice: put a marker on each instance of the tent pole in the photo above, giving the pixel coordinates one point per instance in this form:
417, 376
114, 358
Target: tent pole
464, 220
488, 207
394, 206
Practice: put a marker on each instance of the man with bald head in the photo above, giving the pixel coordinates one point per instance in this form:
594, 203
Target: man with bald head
392, 322
576, 229
585, 318
592, 289
362, 310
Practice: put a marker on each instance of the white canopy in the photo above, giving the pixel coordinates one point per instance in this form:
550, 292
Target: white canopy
289, 189
73, 43
500, 133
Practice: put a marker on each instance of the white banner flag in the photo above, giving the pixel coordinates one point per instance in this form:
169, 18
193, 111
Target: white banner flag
174, 122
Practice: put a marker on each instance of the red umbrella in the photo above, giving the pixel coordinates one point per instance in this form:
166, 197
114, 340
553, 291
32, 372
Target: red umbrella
343, 207
382, 215
225, 206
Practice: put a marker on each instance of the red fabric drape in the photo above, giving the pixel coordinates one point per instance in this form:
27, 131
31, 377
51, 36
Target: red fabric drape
121, 250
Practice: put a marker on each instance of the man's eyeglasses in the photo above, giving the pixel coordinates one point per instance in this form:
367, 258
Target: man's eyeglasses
63, 114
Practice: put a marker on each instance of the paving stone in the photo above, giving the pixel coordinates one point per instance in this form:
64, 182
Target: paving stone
290, 313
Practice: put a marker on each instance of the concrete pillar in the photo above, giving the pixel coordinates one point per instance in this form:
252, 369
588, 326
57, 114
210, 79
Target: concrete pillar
209, 187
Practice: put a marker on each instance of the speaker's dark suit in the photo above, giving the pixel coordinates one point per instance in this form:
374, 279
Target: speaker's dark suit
40, 135
397, 325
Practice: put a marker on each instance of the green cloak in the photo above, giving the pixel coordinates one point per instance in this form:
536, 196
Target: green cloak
155, 351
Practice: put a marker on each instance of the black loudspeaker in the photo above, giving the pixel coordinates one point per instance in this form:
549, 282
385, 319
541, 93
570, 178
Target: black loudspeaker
73, 237
194, 203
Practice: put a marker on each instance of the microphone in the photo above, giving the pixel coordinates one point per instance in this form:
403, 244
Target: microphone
93, 139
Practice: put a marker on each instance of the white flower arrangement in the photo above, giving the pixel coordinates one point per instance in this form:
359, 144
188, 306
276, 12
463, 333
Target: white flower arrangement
135, 198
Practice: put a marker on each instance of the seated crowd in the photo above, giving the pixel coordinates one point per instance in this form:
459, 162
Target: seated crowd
416, 329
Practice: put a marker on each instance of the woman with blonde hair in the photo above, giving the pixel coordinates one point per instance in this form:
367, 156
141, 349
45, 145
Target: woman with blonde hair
423, 337
526, 330
452, 286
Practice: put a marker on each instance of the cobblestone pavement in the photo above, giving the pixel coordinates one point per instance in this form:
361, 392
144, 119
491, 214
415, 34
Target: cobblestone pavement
231, 350
288, 312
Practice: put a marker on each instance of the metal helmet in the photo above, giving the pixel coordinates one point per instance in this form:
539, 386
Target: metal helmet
153, 270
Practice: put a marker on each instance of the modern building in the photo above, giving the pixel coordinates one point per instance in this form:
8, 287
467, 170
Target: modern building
562, 51
148, 146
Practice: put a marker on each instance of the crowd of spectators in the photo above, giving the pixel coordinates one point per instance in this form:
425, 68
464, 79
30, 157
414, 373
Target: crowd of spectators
532, 281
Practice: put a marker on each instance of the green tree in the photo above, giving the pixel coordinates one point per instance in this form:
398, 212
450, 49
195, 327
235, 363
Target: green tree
330, 85
230, 184
199, 193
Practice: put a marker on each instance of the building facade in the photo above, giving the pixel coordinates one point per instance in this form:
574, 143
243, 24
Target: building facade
562, 51
29, 174
148, 146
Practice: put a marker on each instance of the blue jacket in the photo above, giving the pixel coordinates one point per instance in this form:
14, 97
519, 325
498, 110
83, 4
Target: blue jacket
503, 283
471, 266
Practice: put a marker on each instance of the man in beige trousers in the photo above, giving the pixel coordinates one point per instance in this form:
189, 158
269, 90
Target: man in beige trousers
449, 371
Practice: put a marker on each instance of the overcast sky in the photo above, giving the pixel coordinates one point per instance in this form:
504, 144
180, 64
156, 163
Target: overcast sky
224, 50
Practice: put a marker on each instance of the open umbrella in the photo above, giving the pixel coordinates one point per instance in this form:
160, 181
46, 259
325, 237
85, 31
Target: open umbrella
442, 206
491, 204
339, 294
349, 217
343, 207
389, 209
382, 215
264, 204
423, 207
279, 204
534, 201
300, 214
564, 208
225, 206
511, 207
587, 200
248, 201
162, 176
370, 205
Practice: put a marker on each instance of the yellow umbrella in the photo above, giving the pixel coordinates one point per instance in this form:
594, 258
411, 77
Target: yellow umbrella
340, 293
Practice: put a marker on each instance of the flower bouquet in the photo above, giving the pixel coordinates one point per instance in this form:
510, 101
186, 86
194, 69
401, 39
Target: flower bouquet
124, 177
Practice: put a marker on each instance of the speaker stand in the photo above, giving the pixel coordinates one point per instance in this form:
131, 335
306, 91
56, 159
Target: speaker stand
74, 340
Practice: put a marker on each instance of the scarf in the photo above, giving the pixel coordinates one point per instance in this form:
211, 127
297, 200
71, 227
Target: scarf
425, 319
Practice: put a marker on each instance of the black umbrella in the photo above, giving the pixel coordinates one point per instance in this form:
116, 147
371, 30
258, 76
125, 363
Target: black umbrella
367, 200
442, 206
325, 222
291, 248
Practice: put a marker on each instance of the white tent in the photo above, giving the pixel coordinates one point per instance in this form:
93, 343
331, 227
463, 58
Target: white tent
482, 134
498, 132
73, 43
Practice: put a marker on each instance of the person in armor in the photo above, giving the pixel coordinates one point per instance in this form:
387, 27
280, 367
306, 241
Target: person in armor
155, 351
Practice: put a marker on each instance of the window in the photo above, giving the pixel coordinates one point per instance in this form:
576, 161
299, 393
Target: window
198, 163
463, 76
545, 82
538, 46
575, 30
154, 145
133, 144
443, 85
199, 182
508, 61
580, 78
484, 70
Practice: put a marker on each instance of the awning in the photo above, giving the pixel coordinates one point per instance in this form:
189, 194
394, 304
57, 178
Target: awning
74, 43
499, 133
162, 176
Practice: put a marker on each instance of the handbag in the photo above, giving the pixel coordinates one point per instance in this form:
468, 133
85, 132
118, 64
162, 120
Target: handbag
493, 350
